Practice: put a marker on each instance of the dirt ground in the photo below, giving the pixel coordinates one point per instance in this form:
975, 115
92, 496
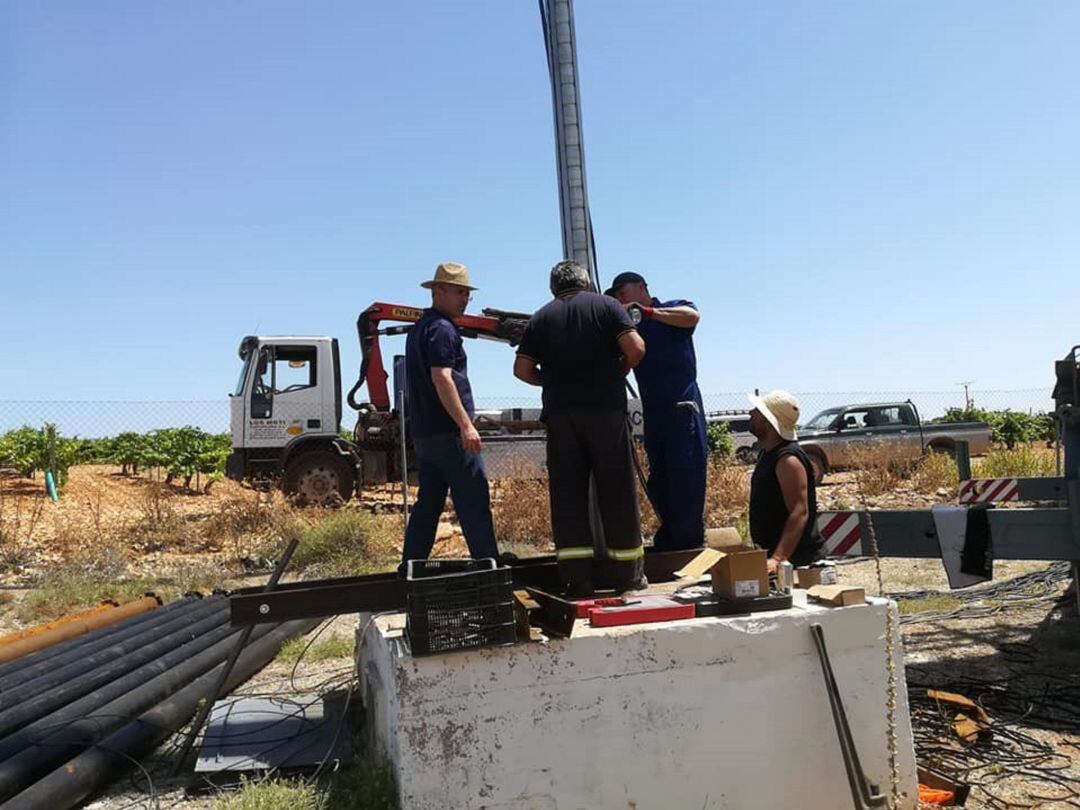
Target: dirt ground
1029, 641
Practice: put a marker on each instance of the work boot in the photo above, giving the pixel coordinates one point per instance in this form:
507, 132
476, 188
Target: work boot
579, 590
639, 584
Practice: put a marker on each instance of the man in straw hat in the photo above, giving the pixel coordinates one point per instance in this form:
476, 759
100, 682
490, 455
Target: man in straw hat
440, 409
783, 501
579, 348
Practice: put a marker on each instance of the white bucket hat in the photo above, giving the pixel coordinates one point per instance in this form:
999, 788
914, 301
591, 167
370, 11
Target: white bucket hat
780, 409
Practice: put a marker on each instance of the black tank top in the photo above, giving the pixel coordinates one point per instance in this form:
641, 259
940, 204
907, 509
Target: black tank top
769, 513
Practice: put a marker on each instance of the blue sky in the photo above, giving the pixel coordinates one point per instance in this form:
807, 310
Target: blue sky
859, 196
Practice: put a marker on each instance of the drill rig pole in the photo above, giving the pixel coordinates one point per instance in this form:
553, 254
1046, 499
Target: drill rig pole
560, 42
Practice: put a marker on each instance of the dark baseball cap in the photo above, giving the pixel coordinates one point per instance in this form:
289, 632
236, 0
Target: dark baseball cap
628, 277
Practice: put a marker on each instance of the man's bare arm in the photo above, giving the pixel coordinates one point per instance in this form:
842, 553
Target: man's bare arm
443, 380
527, 370
632, 348
683, 317
792, 478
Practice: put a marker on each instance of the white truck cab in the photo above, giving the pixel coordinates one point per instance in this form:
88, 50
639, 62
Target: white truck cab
285, 418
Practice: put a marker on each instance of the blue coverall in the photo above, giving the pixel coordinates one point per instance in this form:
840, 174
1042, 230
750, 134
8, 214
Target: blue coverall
675, 440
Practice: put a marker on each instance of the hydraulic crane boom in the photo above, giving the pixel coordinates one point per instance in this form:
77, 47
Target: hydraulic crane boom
557, 17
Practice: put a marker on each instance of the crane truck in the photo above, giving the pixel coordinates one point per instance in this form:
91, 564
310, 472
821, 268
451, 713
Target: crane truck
285, 413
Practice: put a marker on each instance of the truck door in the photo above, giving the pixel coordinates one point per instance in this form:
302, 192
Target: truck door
853, 433
285, 399
888, 426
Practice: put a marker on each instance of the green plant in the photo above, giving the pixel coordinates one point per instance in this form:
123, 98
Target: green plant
31, 451
1023, 461
321, 649
341, 542
718, 439
1007, 427
273, 794
367, 783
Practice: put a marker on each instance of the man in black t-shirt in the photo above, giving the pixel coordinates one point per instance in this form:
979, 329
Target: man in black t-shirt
783, 500
579, 348
440, 410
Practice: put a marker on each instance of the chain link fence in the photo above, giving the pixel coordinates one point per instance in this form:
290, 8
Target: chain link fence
101, 419
150, 507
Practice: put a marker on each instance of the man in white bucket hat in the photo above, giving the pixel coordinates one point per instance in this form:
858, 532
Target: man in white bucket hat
783, 500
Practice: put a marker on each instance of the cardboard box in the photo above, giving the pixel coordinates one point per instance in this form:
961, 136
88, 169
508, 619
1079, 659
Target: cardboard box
724, 539
696, 568
816, 575
837, 595
741, 575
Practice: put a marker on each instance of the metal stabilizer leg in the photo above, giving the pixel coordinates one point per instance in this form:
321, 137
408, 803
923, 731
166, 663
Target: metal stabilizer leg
863, 793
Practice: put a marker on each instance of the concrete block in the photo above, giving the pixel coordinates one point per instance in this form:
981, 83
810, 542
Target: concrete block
708, 713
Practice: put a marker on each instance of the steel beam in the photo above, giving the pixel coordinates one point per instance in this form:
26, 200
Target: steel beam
380, 592
1016, 534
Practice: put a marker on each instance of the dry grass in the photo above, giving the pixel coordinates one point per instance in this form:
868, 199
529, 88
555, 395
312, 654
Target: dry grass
521, 511
727, 494
936, 471
879, 468
88, 580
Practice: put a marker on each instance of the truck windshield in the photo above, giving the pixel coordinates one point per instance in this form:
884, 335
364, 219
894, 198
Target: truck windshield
243, 375
823, 421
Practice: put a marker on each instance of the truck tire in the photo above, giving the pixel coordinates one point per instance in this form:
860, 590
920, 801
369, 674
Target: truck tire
946, 449
746, 455
819, 465
318, 477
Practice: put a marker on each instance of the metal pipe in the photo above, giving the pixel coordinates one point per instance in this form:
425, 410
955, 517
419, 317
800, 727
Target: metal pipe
26, 632
66, 649
77, 779
79, 625
50, 748
36, 698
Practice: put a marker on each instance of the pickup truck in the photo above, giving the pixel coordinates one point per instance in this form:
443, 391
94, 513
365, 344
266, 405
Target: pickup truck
830, 437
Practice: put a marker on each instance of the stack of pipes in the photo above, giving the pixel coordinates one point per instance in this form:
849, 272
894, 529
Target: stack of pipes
74, 713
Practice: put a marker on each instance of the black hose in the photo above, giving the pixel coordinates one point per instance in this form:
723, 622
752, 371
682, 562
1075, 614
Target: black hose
39, 697
69, 740
43, 677
79, 778
65, 651
87, 704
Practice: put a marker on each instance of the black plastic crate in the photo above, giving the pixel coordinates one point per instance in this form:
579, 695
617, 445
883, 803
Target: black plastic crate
458, 605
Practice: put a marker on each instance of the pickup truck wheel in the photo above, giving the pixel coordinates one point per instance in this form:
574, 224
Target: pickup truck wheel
318, 478
944, 449
745, 455
817, 461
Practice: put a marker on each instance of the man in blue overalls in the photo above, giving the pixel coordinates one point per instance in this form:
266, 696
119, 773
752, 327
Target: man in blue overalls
674, 415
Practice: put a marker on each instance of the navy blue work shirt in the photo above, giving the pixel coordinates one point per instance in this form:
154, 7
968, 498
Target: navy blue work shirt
668, 372
434, 342
575, 341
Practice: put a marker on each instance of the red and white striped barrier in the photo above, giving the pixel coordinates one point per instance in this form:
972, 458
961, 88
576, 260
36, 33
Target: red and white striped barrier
987, 490
841, 533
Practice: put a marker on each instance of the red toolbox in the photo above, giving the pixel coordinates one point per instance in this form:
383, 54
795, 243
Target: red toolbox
640, 610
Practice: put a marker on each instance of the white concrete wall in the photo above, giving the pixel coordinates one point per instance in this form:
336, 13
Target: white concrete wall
698, 714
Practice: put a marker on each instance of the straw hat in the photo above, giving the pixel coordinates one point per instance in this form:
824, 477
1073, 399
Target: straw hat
450, 273
780, 409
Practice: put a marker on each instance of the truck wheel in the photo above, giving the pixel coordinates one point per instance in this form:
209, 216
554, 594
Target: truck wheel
944, 449
317, 478
745, 455
817, 461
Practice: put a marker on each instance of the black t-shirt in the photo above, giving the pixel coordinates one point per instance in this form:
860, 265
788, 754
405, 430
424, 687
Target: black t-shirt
434, 342
574, 340
769, 513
